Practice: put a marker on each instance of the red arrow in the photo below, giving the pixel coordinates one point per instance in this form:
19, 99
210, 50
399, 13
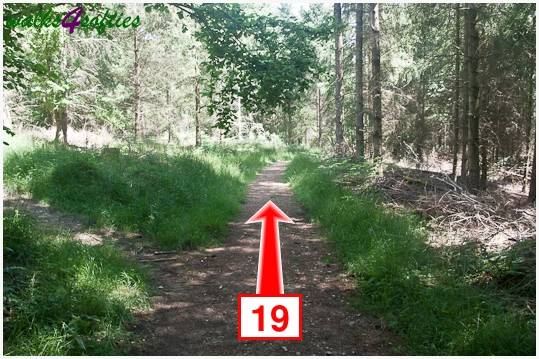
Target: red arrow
270, 272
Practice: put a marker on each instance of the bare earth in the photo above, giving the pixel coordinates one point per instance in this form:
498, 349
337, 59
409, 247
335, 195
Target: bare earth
194, 312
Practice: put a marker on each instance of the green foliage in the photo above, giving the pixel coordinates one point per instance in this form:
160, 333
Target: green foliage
62, 297
434, 299
8, 131
264, 60
48, 86
180, 200
14, 60
17, 65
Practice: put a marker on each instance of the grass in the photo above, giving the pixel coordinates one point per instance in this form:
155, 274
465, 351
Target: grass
434, 299
182, 199
66, 298
62, 297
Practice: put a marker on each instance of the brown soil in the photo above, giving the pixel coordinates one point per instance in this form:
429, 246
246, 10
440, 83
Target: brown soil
194, 311
49, 217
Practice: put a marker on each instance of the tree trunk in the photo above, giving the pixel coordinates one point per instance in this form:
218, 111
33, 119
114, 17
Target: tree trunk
529, 120
58, 126
198, 139
531, 113
368, 117
531, 196
319, 116
376, 84
420, 130
456, 98
339, 136
136, 83
60, 118
169, 126
465, 95
484, 165
63, 116
289, 128
60, 114
360, 126
475, 169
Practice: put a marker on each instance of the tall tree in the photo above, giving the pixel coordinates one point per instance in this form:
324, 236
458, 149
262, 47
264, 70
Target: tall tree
49, 84
360, 140
60, 111
198, 130
198, 137
475, 170
531, 196
339, 74
136, 83
376, 81
368, 112
529, 119
456, 99
465, 94
319, 115
264, 60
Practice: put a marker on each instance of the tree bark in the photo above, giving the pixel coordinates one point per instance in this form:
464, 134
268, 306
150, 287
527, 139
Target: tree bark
58, 125
360, 126
289, 128
529, 120
136, 83
531, 196
484, 165
319, 116
60, 118
339, 135
169, 126
60, 114
475, 169
376, 82
420, 122
198, 139
456, 99
465, 95
368, 112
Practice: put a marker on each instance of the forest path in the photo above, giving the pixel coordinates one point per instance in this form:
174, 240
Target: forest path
194, 310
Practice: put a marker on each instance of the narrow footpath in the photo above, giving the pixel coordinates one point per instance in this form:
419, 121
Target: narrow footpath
194, 309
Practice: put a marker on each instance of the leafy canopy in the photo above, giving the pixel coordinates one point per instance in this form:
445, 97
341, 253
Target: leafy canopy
263, 60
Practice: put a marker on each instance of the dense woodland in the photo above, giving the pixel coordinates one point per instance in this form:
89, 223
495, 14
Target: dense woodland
452, 82
410, 131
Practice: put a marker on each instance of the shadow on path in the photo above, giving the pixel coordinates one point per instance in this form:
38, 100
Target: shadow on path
194, 311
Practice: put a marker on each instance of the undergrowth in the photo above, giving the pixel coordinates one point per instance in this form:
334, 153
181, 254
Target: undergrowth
62, 297
182, 199
434, 299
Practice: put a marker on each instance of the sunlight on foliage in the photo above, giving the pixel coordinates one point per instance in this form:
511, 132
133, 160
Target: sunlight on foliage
62, 297
432, 302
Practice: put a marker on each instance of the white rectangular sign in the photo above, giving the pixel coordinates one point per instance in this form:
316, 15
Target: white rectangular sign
270, 317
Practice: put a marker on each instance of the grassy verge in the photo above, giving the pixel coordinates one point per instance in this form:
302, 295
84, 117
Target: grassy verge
181, 200
62, 297
435, 299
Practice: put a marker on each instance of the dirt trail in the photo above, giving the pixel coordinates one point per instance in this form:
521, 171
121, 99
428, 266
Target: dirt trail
47, 216
194, 311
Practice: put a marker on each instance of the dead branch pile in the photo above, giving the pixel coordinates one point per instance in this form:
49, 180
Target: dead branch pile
494, 217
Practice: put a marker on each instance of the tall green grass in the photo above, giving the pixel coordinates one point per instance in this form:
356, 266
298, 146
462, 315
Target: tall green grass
181, 200
62, 297
434, 299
